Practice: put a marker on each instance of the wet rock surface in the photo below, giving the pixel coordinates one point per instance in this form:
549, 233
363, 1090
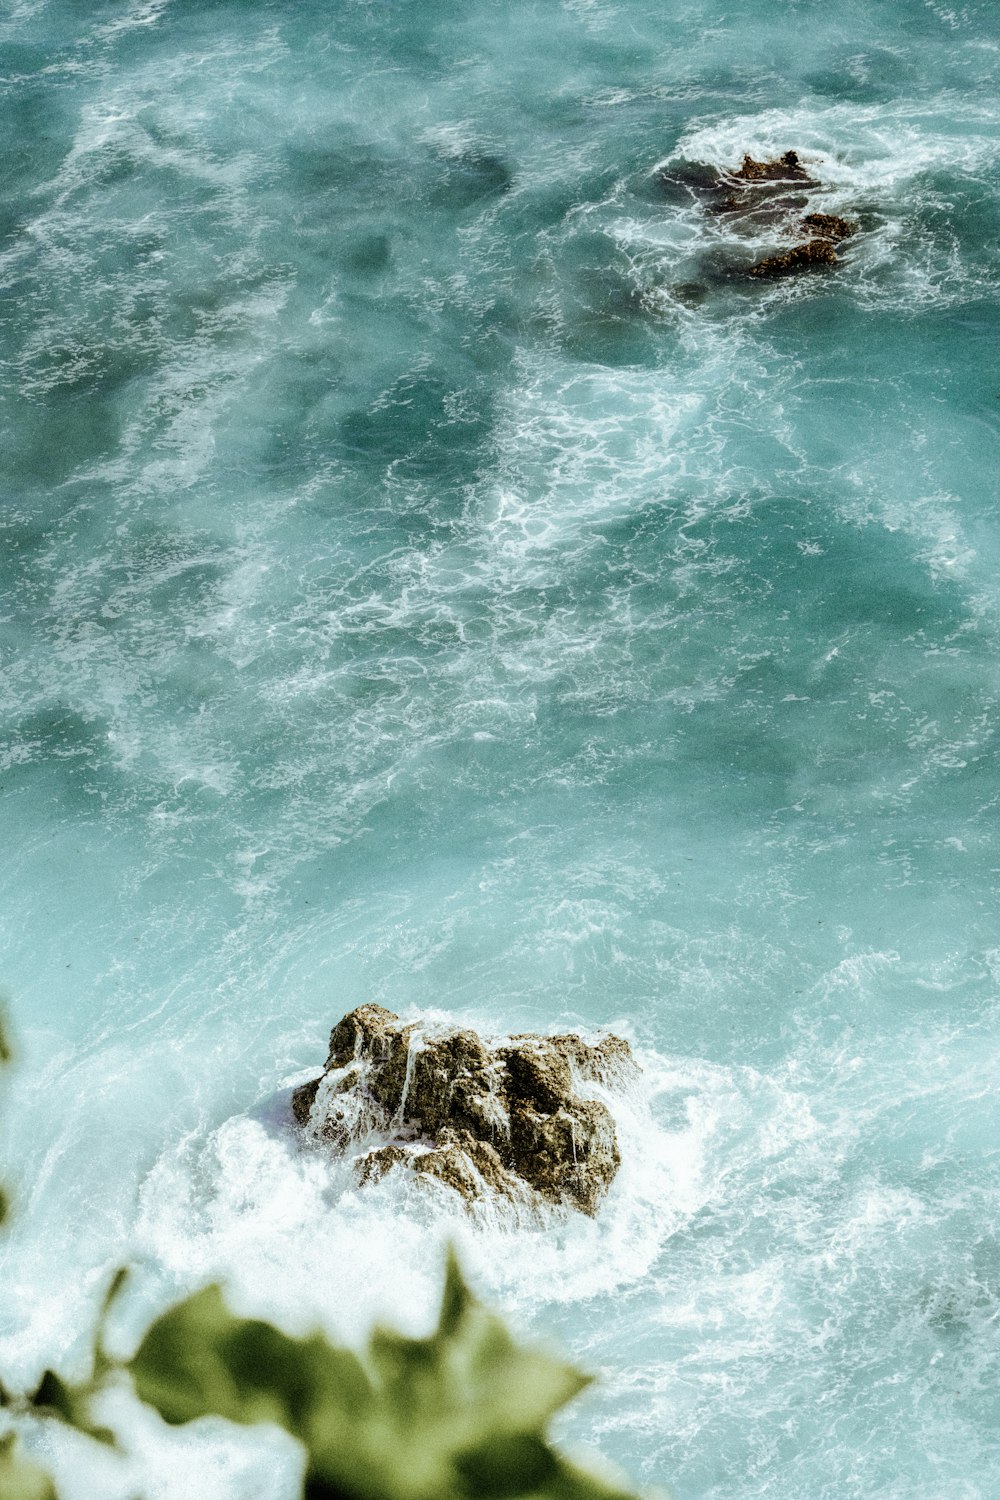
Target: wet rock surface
512, 1116
805, 257
830, 226
764, 197
782, 169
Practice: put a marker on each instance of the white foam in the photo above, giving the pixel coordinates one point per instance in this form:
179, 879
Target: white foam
874, 158
289, 1231
856, 148
578, 447
210, 1458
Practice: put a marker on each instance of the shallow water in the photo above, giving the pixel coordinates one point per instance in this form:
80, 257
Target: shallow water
412, 590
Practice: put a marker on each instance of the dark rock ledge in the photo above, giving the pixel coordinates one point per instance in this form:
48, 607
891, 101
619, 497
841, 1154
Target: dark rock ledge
767, 196
761, 178
482, 1116
799, 258
786, 168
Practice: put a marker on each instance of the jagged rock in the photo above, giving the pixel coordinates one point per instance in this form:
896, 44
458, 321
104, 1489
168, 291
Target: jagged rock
805, 257
303, 1100
757, 198
830, 226
755, 187
786, 168
765, 191
480, 1116
373, 1166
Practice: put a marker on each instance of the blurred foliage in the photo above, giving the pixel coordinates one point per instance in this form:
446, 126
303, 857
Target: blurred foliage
19, 1478
460, 1415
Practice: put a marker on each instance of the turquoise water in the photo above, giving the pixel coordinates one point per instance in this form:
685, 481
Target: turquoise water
412, 591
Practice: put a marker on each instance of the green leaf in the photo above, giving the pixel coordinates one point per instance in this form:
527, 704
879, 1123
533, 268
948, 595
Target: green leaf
572, 1483
70, 1404
20, 1479
199, 1359
102, 1360
524, 1466
515, 1463
456, 1416
468, 1385
54, 1394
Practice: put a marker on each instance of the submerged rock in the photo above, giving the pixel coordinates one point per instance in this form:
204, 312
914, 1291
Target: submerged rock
812, 254
762, 191
754, 190
503, 1116
830, 226
757, 198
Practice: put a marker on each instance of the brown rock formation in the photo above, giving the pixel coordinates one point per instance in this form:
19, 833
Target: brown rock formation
502, 1116
761, 194
805, 257
762, 197
786, 168
829, 226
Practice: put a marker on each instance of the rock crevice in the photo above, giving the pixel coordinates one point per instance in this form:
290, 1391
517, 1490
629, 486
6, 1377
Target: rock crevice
512, 1117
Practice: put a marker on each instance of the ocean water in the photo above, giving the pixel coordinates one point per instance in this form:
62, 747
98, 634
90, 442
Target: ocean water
427, 576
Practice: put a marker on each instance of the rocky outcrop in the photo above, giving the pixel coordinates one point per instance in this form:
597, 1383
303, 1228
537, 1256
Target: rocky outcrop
765, 197
763, 200
785, 168
759, 192
513, 1116
805, 257
828, 230
829, 226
